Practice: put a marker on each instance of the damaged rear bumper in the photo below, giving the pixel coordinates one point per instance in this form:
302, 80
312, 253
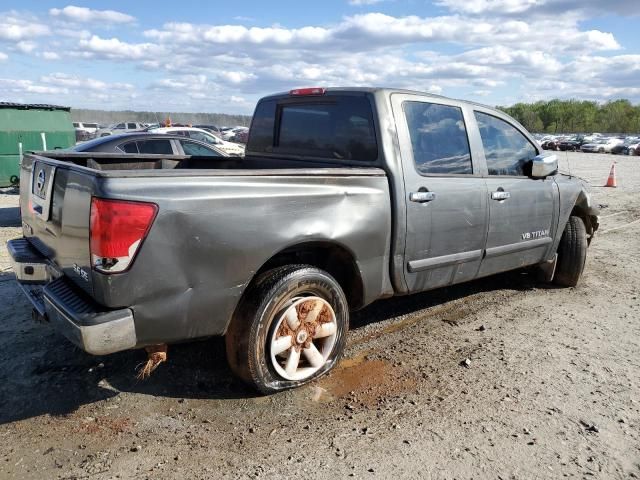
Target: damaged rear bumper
90, 326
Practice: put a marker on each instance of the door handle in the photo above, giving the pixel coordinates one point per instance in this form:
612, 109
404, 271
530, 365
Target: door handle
422, 197
499, 195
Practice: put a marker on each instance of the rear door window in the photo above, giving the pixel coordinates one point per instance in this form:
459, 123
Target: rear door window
162, 147
339, 128
130, 147
438, 138
131, 126
508, 152
193, 148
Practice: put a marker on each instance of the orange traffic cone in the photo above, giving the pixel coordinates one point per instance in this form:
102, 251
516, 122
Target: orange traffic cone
611, 181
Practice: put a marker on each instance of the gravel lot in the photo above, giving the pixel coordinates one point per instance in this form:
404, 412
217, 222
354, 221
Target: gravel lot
552, 389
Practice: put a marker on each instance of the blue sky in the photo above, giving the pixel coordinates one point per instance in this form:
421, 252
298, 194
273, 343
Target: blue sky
222, 56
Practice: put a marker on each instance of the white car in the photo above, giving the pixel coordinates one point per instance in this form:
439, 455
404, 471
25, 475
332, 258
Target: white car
124, 127
90, 128
232, 132
203, 136
603, 145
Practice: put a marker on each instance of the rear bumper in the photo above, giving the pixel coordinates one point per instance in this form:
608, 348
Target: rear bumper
90, 326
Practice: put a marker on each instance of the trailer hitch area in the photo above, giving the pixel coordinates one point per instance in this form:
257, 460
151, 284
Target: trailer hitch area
156, 354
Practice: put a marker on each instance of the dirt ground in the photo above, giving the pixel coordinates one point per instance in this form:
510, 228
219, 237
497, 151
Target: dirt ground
552, 389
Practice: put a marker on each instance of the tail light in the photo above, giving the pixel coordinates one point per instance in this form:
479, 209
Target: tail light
308, 91
117, 229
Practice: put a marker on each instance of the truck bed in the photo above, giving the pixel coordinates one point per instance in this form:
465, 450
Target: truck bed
108, 164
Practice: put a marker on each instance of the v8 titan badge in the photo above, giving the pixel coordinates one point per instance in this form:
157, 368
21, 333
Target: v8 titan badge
535, 234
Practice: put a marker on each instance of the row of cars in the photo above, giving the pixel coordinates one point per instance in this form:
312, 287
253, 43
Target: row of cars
163, 141
594, 143
87, 131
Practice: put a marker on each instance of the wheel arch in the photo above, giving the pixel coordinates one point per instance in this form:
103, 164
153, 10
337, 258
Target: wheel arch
332, 257
587, 213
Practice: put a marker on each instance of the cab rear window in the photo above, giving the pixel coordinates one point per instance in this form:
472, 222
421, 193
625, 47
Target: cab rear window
339, 128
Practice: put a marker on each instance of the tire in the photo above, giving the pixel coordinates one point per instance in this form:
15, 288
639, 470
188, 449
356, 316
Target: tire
263, 321
601, 150
572, 253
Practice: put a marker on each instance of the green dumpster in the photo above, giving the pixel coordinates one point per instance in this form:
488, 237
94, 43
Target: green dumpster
27, 128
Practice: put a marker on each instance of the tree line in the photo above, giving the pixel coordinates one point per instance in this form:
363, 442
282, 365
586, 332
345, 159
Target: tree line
108, 117
577, 116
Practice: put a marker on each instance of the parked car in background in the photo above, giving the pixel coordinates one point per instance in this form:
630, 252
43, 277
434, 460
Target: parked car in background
149, 143
209, 128
592, 137
232, 132
90, 128
628, 147
85, 131
603, 145
203, 136
122, 127
240, 137
572, 144
550, 144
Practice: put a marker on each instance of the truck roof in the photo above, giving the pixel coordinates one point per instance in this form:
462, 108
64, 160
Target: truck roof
385, 90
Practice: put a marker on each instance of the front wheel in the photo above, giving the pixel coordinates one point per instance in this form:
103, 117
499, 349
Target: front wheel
572, 253
289, 329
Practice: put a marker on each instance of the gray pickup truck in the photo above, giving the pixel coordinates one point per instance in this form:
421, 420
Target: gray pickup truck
345, 196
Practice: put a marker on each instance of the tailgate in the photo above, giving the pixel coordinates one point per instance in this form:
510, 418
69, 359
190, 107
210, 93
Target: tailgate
55, 203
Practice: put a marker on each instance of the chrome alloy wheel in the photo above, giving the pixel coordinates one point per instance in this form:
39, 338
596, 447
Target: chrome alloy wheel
303, 337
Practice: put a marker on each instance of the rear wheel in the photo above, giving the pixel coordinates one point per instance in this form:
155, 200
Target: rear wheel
290, 328
572, 253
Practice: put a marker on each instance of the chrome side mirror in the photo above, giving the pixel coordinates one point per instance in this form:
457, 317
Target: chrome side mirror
544, 165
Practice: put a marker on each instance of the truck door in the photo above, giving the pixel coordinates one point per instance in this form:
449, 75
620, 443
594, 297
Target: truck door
445, 193
521, 209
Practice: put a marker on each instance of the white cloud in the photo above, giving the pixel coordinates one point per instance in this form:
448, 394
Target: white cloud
3, 56
545, 8
359, 3
14, 28
186, 33
88, 15
489, 6
372, 31
495, 49
114, 48
26, 46
82, 83
50, 56
19, 86
237, 77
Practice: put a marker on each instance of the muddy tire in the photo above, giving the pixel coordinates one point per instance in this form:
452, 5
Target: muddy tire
572, 253
289, 329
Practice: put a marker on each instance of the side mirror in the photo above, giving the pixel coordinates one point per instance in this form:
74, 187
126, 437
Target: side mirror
544, 165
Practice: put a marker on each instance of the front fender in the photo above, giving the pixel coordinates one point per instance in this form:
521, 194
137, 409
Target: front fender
575, 200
